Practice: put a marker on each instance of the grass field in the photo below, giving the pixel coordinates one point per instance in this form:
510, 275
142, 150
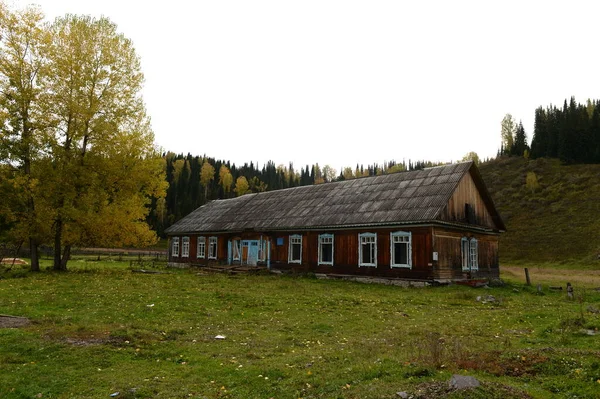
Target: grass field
555, 223
101, 329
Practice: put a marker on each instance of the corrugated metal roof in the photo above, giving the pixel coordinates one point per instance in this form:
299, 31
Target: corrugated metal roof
405, 197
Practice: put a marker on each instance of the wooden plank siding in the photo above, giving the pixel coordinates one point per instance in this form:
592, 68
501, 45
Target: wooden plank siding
447, 243
467, 193
345, 255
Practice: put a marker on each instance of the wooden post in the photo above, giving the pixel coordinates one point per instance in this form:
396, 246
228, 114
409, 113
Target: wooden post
269, 254
569, 291
527, 276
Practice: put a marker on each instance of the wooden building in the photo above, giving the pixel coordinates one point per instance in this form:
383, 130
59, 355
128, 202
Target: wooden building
434, 224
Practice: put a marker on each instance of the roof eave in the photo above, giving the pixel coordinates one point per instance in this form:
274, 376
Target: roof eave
412, 223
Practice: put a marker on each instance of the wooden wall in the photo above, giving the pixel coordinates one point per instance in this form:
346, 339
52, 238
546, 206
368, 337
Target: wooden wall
345, 255
193, 254
425, 241
447, 243
467, 193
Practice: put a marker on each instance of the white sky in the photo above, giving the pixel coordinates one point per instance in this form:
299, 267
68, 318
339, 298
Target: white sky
345, 82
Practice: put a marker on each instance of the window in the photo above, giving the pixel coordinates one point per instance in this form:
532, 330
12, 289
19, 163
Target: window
367, 249
473, 254
185, 247
200, 253
236, 249
175, 247
401, 249
212, 248
295, 249
469, 254
326, 249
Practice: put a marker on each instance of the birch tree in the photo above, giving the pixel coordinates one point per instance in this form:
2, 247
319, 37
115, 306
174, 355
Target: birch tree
207, 174
241, 186
507, 132
22, 39
225, 179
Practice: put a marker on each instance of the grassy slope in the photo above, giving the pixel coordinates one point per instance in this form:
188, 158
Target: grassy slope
94, 332
558, 223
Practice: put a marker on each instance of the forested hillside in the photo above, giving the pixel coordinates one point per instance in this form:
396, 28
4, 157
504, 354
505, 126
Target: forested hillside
551, 210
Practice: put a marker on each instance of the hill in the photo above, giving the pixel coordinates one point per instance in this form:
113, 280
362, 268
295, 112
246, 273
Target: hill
554, 221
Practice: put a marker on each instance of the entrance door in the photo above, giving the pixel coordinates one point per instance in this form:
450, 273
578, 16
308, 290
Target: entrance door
253, 252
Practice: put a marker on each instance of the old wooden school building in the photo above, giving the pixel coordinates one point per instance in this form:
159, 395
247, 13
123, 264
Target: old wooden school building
434, 224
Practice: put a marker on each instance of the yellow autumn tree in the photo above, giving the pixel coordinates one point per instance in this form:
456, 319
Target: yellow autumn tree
225, 179
207, 174
22, 116
241, 186
101, 168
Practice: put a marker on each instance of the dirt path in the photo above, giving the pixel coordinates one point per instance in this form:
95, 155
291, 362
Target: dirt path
550, 276
7, 321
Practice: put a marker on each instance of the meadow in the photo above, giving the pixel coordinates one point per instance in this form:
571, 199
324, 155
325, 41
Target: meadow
102, 330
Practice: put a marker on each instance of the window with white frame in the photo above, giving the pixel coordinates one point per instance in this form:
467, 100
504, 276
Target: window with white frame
185, 247
326, 249
367, 249
175, 246
469, 252
212, 248
295, 249
473, 254
401, 249
236, 249
201, 248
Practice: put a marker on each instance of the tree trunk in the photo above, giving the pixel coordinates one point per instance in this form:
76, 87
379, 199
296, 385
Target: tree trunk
57, 245
35, 260
65, 257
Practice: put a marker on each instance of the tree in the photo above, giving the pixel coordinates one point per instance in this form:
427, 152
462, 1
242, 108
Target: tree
520, 142
225, 179
471, 156
507, 132
22, 39
207, 174
241, 186
396, 168
101, 167
329, 173
255, 185
531, 182
347, 173
540, 140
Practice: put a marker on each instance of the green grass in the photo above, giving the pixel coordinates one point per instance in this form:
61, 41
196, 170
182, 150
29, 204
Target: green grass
100, 329
556, 224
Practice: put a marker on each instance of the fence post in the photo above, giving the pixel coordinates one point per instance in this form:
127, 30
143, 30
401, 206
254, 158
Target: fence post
527, 276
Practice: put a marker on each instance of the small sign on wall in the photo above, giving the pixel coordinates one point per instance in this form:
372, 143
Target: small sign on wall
279, 240
435, 256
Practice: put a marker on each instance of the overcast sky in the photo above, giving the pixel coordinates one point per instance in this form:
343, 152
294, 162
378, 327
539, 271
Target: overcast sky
347, 82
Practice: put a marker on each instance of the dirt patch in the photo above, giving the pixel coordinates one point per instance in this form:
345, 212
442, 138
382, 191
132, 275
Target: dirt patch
558, 277
86, 342
13, 321
13, 261
443, 390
